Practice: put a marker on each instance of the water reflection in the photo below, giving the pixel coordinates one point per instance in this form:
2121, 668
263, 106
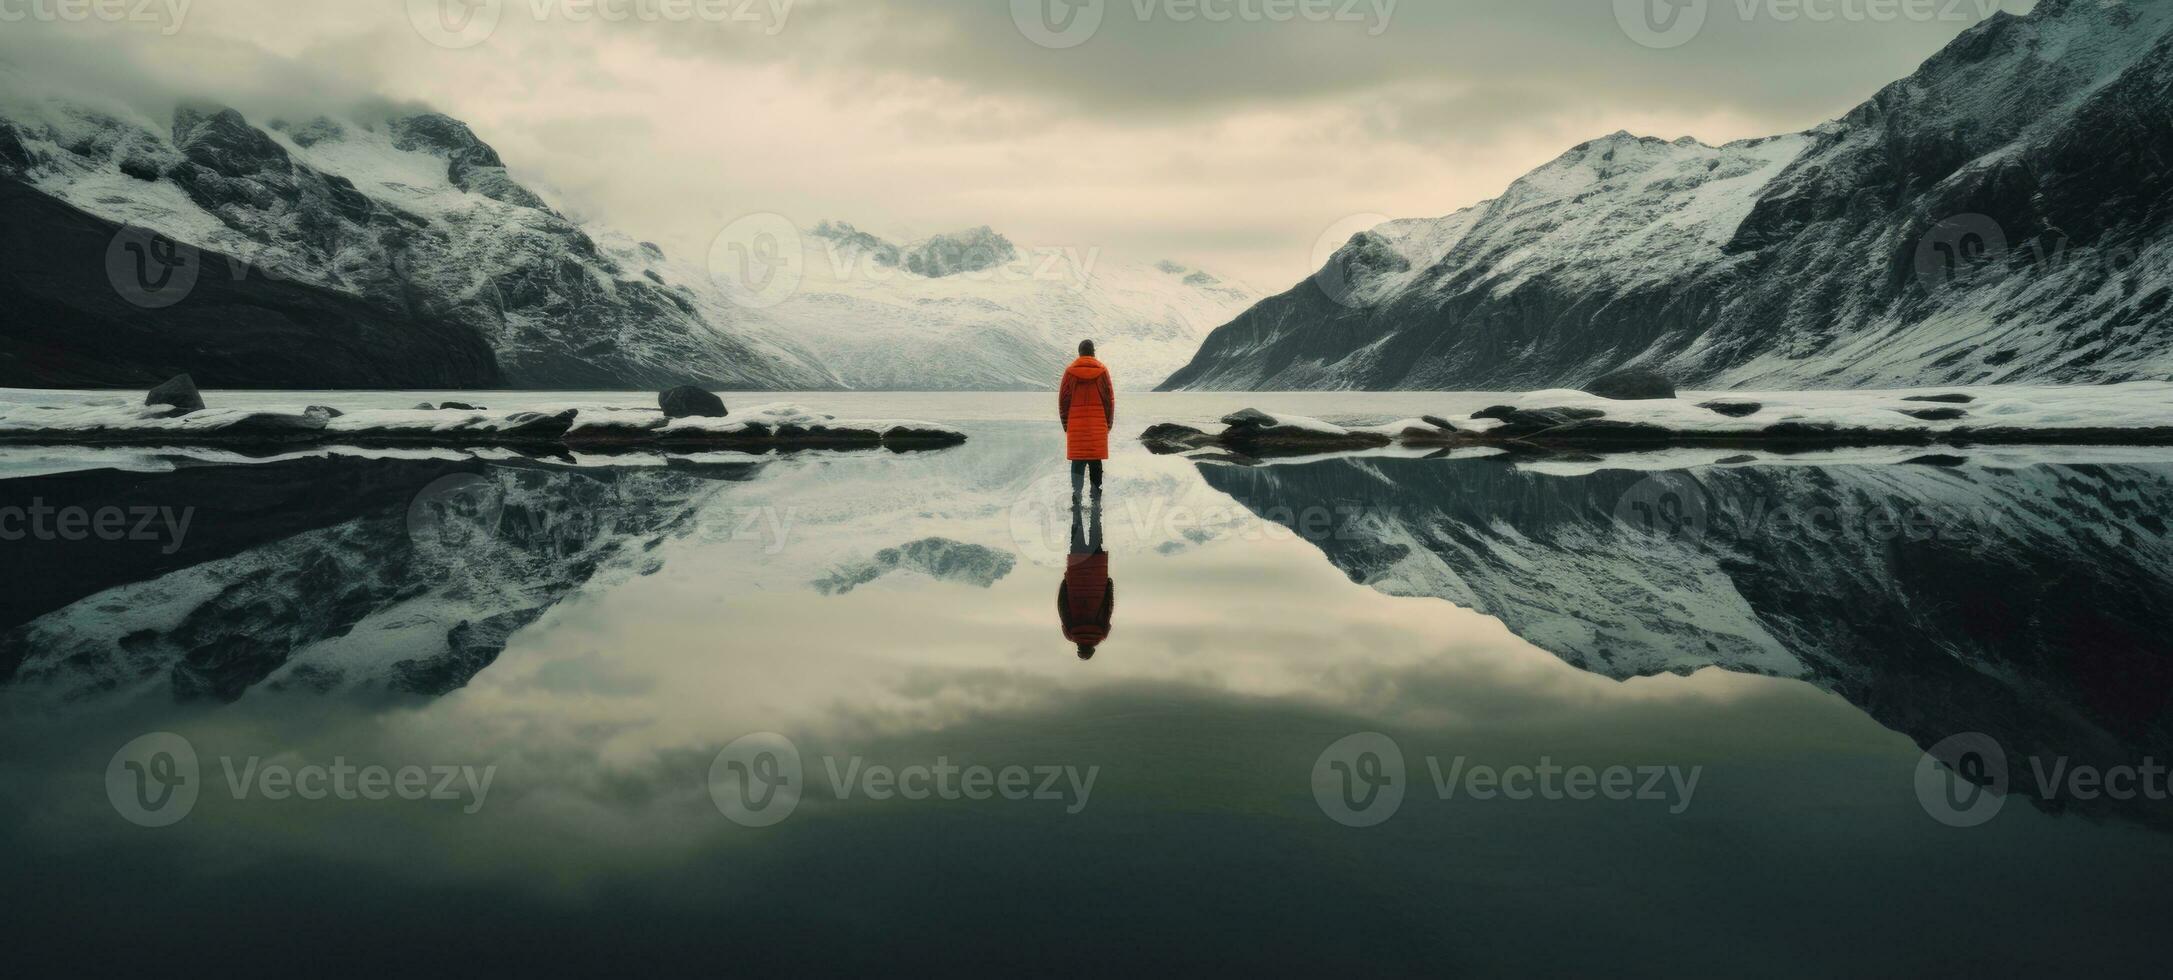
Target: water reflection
1086, 601
398, 575
895, 611
1942, 598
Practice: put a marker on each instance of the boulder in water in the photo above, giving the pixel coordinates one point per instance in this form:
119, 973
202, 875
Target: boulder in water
1734, 410
180, 393
687, 401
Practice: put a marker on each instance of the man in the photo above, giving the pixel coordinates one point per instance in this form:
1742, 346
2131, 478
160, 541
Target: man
1086, 402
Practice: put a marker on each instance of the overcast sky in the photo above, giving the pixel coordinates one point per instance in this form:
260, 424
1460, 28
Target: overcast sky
1231, 143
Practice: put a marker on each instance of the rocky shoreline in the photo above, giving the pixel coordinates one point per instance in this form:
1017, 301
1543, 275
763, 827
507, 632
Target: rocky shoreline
687, 420
1563, 421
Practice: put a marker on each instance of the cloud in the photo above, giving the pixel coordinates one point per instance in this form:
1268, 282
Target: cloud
1229, 145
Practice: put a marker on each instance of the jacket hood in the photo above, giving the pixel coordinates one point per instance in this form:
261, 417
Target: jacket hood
1086, 367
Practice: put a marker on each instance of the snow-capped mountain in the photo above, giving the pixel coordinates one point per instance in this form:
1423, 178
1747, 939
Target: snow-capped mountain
402, 226
974, 311
404, 214
1998, 216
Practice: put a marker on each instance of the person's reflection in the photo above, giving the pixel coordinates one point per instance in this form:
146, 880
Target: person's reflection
1087, 598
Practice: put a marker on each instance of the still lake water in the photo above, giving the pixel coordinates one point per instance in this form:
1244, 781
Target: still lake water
1643, 716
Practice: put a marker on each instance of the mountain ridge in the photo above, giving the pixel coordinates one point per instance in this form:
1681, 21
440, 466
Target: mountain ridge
1997, 216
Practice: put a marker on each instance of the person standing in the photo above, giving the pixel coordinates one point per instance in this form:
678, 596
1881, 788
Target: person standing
1086, 403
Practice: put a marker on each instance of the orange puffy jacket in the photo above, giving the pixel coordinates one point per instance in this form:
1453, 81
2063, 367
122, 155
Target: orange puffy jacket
1087, 402
1086, 602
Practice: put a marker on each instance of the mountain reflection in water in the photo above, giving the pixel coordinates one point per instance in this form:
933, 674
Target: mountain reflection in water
599, 629
2029, 604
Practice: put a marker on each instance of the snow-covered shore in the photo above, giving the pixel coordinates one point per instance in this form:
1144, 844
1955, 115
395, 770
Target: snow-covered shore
118, 421
2139, 413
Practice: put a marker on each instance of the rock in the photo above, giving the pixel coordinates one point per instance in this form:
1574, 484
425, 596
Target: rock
459, 407
322, 412
687, 401
1634, 384
1438, 422
1521, 421
1498, 412
140, 166
1949, 399
1735, 460
1937, 459
218, 138
1935, 414
1734, 410
426, 407
1251, 417
1165, 438
180, 392
13, 154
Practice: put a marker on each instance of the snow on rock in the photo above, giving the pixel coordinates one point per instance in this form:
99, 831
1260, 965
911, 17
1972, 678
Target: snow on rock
2138, 413
766, 426
1982, 221
409, 212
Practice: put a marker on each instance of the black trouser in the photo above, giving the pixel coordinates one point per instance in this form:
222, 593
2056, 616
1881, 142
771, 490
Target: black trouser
1082, 468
